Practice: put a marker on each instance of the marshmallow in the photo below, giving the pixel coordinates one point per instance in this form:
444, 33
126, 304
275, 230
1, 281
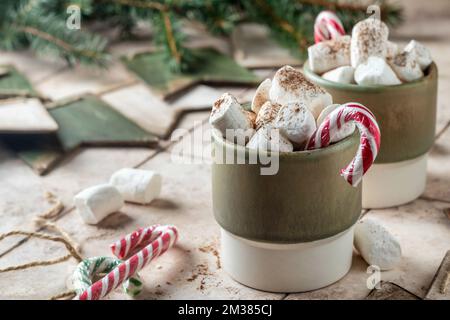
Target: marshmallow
231, 119
270, 139
290, 85
375, 71
376, 245
251, 116
406, 66
136, 185
345, 74
261, 95
267, 114
392, 49
327, 55
295, 122
423, 55
369, 38
95, 203
336, 135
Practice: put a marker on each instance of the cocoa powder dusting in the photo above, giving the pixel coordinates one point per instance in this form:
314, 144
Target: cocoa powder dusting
291, 79
251, 116
340, 45
401, 59
212, 249
205, 277
372, 34
267, 114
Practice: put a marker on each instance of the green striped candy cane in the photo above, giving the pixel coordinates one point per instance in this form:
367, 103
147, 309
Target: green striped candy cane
92, 267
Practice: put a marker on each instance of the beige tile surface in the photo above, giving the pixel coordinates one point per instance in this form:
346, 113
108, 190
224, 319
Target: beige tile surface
37, 282
74, 82
89, 167
36, 69
21, 193
201, 97
438, 178
424, 235
140, 105
25, 115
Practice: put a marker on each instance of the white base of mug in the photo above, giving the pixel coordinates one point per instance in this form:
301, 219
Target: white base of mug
393, 184
286, 268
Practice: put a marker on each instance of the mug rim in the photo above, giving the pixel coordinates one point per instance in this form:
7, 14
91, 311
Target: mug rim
301, 154
429, 73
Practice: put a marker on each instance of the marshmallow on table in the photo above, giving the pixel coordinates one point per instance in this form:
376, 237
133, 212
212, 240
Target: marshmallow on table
137, 185
327, 55
95, 203
267, 114
405, 66
295, 122
369, 38
231, 119
376, 245
375, 71
345, 74
290, 85
270, 139
336, 135
261, 95
422, 54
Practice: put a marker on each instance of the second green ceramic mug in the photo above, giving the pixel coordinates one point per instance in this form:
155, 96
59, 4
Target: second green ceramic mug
406, 115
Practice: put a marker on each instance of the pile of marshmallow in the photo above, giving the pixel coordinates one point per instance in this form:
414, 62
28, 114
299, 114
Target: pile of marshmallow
289, 102
368, 57
133, 185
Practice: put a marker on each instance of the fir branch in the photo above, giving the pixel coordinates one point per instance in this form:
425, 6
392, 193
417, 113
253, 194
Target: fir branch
46, 36
284, 24
170, 37
40, 24
142, 4
68, 48
50, 33
179, 56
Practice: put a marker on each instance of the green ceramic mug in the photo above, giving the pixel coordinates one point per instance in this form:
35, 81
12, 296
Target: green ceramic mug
299, 220
406, 115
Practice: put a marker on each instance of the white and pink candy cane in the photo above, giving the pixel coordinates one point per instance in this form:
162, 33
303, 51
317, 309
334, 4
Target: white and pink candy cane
155, 240
370, 138
327, 26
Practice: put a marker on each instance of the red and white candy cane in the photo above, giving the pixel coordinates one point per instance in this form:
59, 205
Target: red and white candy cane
369, 138
327, 26
157, 240
126, 246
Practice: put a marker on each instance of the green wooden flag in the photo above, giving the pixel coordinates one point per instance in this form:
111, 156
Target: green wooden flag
13, 83
210, 67
87, 121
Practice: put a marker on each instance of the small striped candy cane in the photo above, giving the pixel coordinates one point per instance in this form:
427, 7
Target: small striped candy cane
159, 240
123, 247
327, 26
370, 138
89, 268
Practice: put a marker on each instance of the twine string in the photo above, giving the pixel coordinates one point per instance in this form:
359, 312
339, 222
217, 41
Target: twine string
41, 222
